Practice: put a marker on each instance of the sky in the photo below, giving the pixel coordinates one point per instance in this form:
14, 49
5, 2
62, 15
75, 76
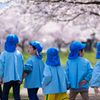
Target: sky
3, 1
3, 5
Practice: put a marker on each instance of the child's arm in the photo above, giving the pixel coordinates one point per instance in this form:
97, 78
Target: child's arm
2, 65
28, 69
88, 76
24, 75
67, 74
47, 76
89, 72
1, 82
82, 82
95, 81
26, 72
96, 90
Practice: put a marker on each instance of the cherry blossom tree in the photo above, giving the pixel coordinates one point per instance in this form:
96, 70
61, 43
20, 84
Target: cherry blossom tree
34, 14
83, 12
15, 25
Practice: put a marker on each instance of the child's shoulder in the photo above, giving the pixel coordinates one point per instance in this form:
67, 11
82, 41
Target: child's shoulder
17, 51
3, 53
79, 59
33, 58
6, 52
58, 66
84, 60
98, 62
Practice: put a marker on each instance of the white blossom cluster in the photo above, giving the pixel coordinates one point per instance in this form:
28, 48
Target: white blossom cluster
77, 18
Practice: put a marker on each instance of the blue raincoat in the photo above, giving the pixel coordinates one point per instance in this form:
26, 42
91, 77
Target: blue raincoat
11, 66
34, 78
95, 81
77, 70
55, 80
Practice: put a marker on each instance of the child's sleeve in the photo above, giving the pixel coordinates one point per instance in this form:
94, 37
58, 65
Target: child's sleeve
46, 76
89, 72
28, 67
22, 62
67, 82
2, 65
67, 74
95, 81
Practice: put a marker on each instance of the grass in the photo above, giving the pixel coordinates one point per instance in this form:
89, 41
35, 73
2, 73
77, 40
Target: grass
63, 58
91, 56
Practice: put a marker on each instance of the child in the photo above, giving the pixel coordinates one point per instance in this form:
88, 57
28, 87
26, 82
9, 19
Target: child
33, 72
55, 81
0, 85
11, 67
95, 81
79, 71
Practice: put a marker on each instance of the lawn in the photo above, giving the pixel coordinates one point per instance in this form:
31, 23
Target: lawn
63, 58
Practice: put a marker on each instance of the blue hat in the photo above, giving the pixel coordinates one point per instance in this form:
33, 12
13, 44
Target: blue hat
52, 57
38, 46
11, 41
74, 48
98, 51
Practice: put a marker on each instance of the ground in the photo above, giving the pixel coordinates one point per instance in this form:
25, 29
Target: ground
41, 97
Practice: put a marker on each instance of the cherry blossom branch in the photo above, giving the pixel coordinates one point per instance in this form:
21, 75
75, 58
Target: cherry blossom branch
71, 18
94, 2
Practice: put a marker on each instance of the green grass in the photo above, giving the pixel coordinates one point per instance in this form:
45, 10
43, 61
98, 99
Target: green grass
63, 58
91, 56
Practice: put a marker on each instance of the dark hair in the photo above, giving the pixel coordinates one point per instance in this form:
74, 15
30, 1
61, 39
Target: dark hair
81, 50
33, 47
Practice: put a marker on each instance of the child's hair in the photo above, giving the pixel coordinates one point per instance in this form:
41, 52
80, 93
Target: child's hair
81, 50
33, 47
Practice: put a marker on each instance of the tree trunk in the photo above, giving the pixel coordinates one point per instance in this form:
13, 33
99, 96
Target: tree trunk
23, 45
59, 47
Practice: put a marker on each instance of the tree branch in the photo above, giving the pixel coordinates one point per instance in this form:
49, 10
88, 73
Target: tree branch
94, 2
94, 13
91, 12
71, 18
73, 2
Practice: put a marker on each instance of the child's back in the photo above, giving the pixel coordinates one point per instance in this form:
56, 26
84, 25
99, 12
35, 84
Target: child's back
77, 70
36, 66
33, 72
55, 81
95, 81
11, 67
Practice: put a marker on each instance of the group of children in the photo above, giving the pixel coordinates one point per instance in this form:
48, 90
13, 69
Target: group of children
51, 77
